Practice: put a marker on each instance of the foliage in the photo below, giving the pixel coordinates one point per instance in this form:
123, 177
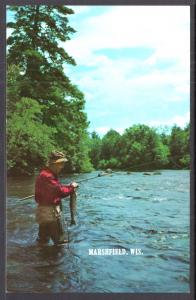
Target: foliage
33, 45
45, 110
36, 64
95, 149
141, 148
179, 147
111, 163
13, 88
110, 145
28, 141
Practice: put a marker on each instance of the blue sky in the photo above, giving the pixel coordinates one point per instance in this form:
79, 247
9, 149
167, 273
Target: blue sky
132, 64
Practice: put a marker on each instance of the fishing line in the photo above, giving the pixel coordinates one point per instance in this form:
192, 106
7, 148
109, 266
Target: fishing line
101, 175
86, 179
108, 173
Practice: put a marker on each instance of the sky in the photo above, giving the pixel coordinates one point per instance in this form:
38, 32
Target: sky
133, 64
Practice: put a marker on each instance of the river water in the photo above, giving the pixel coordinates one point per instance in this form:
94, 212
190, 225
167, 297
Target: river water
121, 211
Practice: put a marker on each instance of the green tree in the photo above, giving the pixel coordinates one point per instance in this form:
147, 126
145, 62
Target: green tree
141, 148
83, 161
110, 144
35, 47
110, 150
13, 88
95, 149
179, 147
28, 141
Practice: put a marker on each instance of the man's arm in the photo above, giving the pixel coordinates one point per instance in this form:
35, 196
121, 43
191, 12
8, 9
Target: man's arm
63, 190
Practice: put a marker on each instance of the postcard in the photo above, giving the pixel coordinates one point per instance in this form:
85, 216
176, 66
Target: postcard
98, 106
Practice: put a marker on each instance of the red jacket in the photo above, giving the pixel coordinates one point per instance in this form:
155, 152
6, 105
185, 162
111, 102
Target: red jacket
48, 190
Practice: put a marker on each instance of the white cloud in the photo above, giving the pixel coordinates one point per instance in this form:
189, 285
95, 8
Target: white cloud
78, 9
126, 81
163, 28
180, 120
9, 32
136, 89
102, 130
116, 84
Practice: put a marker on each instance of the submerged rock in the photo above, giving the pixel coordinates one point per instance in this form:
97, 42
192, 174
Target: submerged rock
157, 173
147, 173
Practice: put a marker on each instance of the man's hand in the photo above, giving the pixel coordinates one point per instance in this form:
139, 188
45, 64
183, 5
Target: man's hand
74, 184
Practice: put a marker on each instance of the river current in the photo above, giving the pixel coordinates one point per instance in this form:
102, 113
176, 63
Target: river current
149, 214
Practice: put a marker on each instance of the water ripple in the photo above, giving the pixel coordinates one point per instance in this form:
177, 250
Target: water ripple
123, 211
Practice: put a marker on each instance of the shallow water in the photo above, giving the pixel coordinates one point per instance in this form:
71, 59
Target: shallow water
121, 211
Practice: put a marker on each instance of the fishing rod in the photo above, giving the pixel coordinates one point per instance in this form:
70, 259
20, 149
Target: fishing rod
86, 179
99, 175
90, 178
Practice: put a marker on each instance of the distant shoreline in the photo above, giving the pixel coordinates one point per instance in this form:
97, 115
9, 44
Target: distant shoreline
113, 171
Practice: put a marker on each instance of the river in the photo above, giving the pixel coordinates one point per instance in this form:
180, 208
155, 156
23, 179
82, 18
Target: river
121, 211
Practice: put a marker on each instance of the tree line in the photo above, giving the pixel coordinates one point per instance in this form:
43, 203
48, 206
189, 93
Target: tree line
141, 147
45, 110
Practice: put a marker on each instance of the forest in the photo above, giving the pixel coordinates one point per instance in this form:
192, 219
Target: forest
141, 147
46, 110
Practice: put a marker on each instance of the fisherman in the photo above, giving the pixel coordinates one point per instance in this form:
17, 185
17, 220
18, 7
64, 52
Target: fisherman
48, 194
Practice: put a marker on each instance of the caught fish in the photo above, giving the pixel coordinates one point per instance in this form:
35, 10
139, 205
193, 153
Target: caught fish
72, 205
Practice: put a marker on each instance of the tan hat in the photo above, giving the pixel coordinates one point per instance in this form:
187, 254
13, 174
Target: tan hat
57, 157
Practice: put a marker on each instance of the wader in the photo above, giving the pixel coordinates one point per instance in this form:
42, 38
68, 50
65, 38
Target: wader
49, 218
